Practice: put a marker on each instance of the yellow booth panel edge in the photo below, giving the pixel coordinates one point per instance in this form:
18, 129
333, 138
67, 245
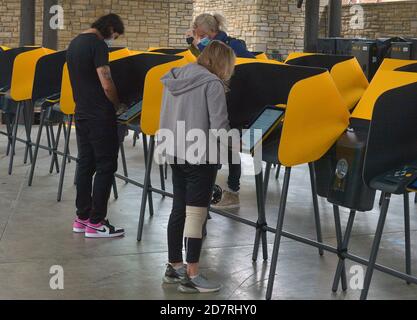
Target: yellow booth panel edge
392, 64
295, 55
315, 117
350, 80
240, 61
382, 82
4, 48
152, 95
24, 68
67, 103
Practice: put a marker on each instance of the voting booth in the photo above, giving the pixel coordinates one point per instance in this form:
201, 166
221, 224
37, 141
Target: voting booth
345, 71
367, 158
22, 62
129, 71
186, 53
352, 84
391, 162
45, 95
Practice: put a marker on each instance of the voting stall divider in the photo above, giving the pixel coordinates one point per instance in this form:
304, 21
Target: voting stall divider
360, 137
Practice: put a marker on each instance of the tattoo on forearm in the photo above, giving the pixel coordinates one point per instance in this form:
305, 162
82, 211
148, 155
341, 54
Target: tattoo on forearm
107, 74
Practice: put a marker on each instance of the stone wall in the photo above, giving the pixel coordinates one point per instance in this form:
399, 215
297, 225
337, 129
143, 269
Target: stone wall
265, 25
383, 20
148, 23
272, 26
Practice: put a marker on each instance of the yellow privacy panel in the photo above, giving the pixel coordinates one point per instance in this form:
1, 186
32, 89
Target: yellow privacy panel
350, 80
240, 61
314, 119
4, 48
188, 55
261, 56
152, 95
66, 103
122, 53
296, 55
67, 100
382, 82
392, 64
24, 68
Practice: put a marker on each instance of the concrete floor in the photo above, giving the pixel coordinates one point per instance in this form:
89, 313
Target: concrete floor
35, 234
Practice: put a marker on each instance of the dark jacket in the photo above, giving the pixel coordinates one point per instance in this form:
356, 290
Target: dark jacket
238, 47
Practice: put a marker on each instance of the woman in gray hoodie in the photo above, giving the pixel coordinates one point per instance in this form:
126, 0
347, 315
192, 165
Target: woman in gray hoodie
194, 104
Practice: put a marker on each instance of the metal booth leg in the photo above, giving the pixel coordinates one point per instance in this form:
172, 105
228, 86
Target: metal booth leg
266, 179
375, 246
55, 149
145, 151
123, 155
64, 158
28, 114
115, 191
9, 130
37, 144
407, 234
342, 247
146, 186
278, 234
261, 234
316, 206
14, 137
278, 172
162, 176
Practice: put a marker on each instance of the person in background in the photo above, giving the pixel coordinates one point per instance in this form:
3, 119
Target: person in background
195, 95
97, 106
206, 28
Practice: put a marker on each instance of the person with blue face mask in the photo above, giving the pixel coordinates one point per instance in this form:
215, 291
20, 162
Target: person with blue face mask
206, 28
97, 106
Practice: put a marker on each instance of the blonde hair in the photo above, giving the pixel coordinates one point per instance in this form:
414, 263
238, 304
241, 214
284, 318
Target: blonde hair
210, 22
219, 59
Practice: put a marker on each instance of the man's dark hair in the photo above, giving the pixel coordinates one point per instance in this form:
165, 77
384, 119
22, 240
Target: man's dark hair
106, 23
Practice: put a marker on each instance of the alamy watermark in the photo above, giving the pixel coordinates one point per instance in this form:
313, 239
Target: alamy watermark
56, 282
357, 22
56, 22
196, 146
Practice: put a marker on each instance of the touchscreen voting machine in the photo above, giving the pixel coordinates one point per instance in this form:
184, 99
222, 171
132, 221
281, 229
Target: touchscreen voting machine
261, 127
132, 113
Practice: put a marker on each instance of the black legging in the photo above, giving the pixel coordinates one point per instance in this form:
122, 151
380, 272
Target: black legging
193, 187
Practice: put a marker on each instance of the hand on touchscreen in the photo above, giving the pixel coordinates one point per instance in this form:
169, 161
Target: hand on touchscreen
120, 109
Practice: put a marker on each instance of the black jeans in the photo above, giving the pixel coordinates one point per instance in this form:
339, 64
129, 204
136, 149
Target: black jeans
98, 147
193, 187
235, 172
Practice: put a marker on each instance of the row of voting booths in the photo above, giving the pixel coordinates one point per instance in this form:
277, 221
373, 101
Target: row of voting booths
356, 137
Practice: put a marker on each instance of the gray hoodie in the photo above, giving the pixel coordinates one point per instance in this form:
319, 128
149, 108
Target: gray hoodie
194, 98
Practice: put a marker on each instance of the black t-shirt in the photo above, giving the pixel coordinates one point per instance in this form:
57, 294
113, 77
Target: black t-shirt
85, 54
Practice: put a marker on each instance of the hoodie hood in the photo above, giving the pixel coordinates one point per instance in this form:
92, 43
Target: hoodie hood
187, 78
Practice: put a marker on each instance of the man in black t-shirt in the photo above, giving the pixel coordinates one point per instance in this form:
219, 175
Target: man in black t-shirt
97, 106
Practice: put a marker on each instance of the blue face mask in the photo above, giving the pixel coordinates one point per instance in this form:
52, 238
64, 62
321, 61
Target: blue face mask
205, 41
109, 42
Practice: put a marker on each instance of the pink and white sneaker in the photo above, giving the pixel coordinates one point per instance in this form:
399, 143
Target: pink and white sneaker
103, 230
79, 225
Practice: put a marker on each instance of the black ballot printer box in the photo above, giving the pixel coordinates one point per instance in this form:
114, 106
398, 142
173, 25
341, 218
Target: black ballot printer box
404, 50
366, 53
346, 186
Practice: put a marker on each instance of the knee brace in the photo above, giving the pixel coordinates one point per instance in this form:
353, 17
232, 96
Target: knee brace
194, 221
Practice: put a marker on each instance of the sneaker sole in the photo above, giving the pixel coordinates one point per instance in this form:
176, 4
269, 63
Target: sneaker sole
101, 236
168, 280
233, 206
78, 230
189, 290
